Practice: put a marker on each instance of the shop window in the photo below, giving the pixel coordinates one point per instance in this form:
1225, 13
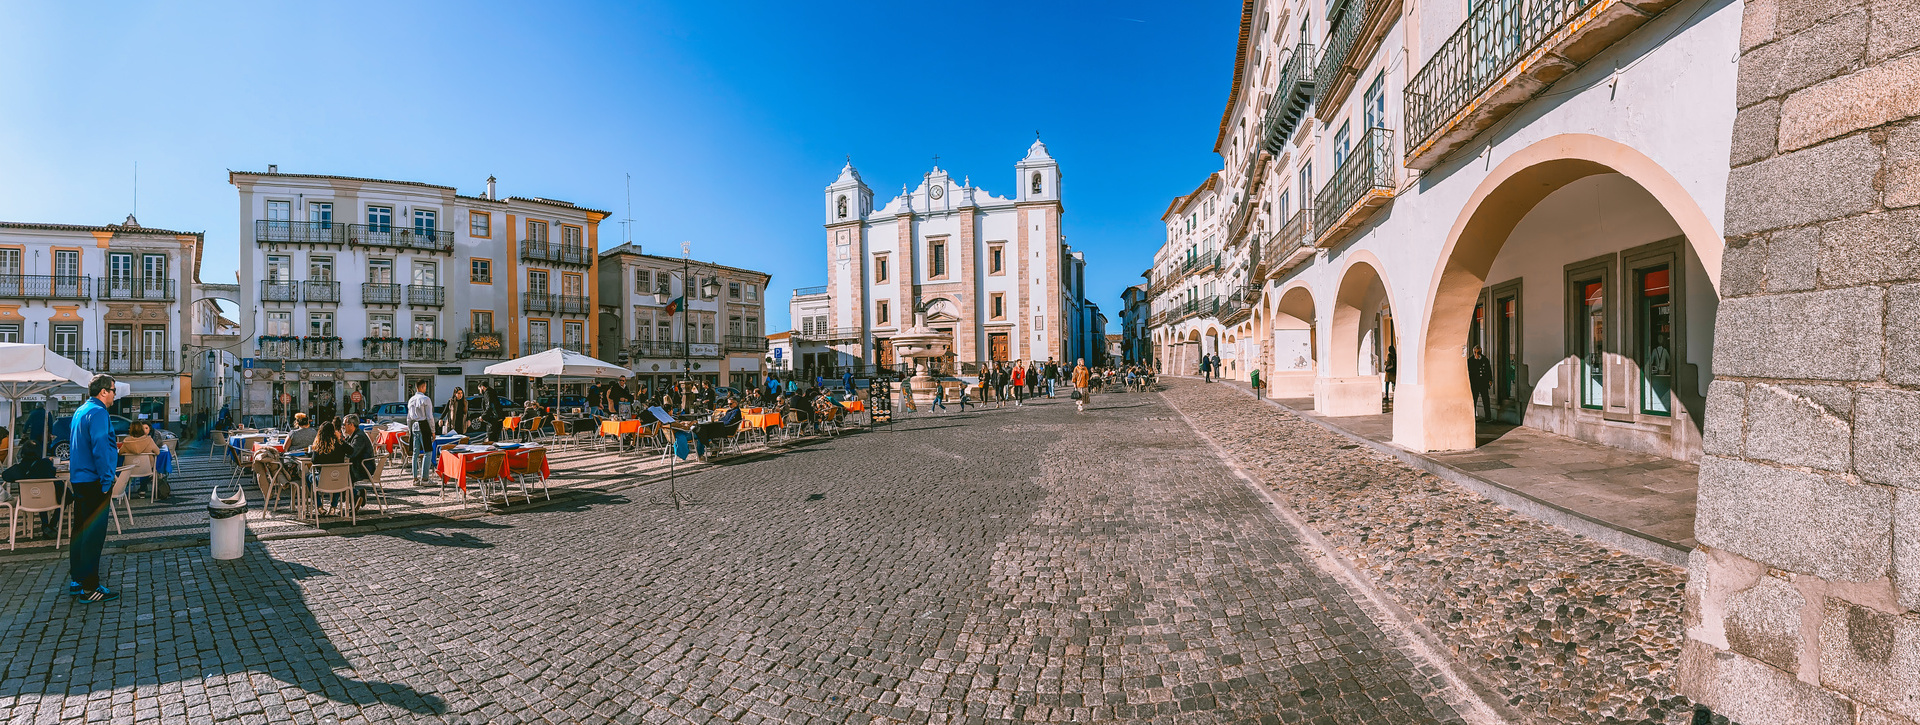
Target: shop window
1653, 321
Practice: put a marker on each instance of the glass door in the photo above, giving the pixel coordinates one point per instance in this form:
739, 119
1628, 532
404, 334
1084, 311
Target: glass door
1593, 300
1653, 321
1506, 352
66, 273
120, 275
153, 276
153, 349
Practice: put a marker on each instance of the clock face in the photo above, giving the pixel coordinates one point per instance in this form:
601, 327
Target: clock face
937, 191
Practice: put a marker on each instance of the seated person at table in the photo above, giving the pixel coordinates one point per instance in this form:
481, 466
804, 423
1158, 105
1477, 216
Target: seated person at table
302, 436
139, 441
725, 424
360, 450
330, 446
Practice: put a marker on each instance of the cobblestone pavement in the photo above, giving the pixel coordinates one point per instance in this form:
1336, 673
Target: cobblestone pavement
1027, 564
1565, 629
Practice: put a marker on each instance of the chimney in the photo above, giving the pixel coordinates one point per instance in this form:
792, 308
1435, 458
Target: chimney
273, 168
490, 191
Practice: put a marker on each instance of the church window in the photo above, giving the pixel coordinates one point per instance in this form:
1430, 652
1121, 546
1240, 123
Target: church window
880, 269
937, 258
843, 207
998, 306
1036, 183
997, 259
883, 313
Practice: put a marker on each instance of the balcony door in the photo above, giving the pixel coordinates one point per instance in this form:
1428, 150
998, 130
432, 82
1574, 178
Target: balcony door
66, 273
574, 336
153, 348
279, 213
426, 274
119, 347
537, 336
425, 222
380, 271
120, 274
153, 275
66, 342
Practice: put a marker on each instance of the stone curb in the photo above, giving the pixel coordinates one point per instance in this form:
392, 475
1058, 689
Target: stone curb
1613, 535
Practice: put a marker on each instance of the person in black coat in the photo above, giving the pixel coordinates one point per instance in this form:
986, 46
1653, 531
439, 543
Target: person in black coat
491, 414
1480, 376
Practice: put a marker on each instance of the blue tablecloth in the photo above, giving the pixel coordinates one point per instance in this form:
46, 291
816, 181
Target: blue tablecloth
163, 463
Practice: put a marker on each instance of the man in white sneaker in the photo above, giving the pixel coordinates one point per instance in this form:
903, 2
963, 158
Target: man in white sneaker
420, 419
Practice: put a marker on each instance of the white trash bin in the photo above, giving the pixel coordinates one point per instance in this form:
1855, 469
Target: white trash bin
227, 523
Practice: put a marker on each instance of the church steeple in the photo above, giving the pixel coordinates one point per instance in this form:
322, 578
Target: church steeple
1037, 175
848, 198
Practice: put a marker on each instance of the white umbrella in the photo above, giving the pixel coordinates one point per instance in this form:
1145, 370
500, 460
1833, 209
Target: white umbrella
33, 370
558, 361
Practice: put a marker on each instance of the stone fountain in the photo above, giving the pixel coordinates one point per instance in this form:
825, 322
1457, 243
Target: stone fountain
918, 344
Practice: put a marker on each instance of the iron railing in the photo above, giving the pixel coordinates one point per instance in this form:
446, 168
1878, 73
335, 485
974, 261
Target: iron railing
83, 358
1495, 36
809, 291
272, 291
1347, 17
426, 349
395, 237
321, 348
1368, 168
379, 293
1290, 99
746, 342
277, 348
133, 288
140, 361
484, 344
322, 291
543, 251
536, 346
1298, 231
831, 333
426, 295
650, 348
291, 232
380, 348
44, 286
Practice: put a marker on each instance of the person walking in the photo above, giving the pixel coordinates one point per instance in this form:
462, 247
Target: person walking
1480, 377
456, 421
93, 463
939, 397
420, 419
1206, 367
963, 395
848, 382
1051, 373
1019, 386
491, 414
1391, 368
1082, 385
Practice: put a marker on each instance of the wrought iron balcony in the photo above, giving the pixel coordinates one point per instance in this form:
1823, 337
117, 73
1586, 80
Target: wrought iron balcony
665, 349
1503, 55
538, 346
568, 254
557, 304
133, 288
387, 236
1355, 30
140, 361
322, 291
425, 295
1290, 99
484, 344
1290, 246
277, 291
277, 347
321, 347
809, 291
379, 293
291, 232
1363, 182
426, 349
380, 348
83, 358
44, 286
748, 343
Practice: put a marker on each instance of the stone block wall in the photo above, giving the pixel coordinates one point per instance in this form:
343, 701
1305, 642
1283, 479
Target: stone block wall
1804, 594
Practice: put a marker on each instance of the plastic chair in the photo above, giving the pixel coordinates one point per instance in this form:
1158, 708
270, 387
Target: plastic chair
120, 478
217, 443
334, 479
535, 468
270, 476
142, 464
493, 473
374, 480
37, 495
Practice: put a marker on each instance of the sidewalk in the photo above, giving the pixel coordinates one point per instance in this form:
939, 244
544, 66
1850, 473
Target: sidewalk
1636, 502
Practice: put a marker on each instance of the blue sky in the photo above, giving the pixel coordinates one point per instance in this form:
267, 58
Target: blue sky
731, 117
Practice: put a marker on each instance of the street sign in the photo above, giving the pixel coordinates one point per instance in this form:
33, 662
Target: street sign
777, 353
356, 397
246, 363
285, 398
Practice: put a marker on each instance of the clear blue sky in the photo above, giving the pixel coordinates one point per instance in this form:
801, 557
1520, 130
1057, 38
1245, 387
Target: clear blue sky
731, 117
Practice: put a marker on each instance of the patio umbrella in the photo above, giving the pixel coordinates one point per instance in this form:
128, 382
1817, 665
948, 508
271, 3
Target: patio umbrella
558, 361
33, 370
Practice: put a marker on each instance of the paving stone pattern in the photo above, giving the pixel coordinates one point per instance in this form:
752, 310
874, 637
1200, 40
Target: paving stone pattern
1019, 565
1563, 628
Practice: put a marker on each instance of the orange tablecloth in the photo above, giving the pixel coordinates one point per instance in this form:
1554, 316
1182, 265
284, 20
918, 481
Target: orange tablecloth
389, 438
853, 406
761, 420
455, 465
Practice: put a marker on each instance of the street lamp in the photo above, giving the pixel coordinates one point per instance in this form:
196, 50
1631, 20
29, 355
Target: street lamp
708, 288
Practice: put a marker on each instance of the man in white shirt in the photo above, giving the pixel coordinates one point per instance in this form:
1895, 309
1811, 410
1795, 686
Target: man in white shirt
420, 419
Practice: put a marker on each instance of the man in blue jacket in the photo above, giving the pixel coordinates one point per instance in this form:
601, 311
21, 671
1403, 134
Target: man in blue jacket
94, 459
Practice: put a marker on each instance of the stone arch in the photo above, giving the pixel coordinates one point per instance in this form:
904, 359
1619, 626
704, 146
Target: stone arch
1440, 413
1352, 381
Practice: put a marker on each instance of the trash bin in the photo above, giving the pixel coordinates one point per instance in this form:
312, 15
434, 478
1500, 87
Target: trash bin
227, 523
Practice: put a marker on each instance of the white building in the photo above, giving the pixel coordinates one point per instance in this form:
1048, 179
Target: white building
355, 288
994, 272
718, 334
1393, 183
109, 298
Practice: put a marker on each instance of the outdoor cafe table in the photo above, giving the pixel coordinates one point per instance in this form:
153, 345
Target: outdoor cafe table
387, 439
456, 463
245, 443
853, 406
761, 420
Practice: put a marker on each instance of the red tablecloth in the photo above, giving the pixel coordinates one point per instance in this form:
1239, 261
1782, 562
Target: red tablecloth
455, 465
387, 439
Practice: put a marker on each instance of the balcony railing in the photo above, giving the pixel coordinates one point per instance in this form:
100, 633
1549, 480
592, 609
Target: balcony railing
44, 286
380, 348
826, 334
1236, 306
83, 358
649, 348
140, 361
809, 291
379, 293
484, 344
556, 304
1347, 18
272, 291
1291, 245
133, 288
425, 295
1290, 99
537, 346
541, 251
394, 237
1363, 181
748, 343
277, 348
290, 232
322, 348
322, 291
426, 350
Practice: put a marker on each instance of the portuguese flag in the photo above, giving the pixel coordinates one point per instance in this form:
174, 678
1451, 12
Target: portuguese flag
673, 307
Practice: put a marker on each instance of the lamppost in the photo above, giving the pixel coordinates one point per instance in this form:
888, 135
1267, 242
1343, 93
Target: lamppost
707, 288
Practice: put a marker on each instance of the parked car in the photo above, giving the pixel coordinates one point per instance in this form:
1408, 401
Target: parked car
62, 429
389, 413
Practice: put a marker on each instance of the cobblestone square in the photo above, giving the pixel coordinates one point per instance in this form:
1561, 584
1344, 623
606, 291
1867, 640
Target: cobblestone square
1012, 565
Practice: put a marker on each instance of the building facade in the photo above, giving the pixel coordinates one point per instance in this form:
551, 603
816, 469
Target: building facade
994, 272
717, 334
352, 289
1136, 309
1395, 191
110, 299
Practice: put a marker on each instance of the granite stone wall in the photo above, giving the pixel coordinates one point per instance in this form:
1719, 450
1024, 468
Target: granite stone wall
1804, 594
